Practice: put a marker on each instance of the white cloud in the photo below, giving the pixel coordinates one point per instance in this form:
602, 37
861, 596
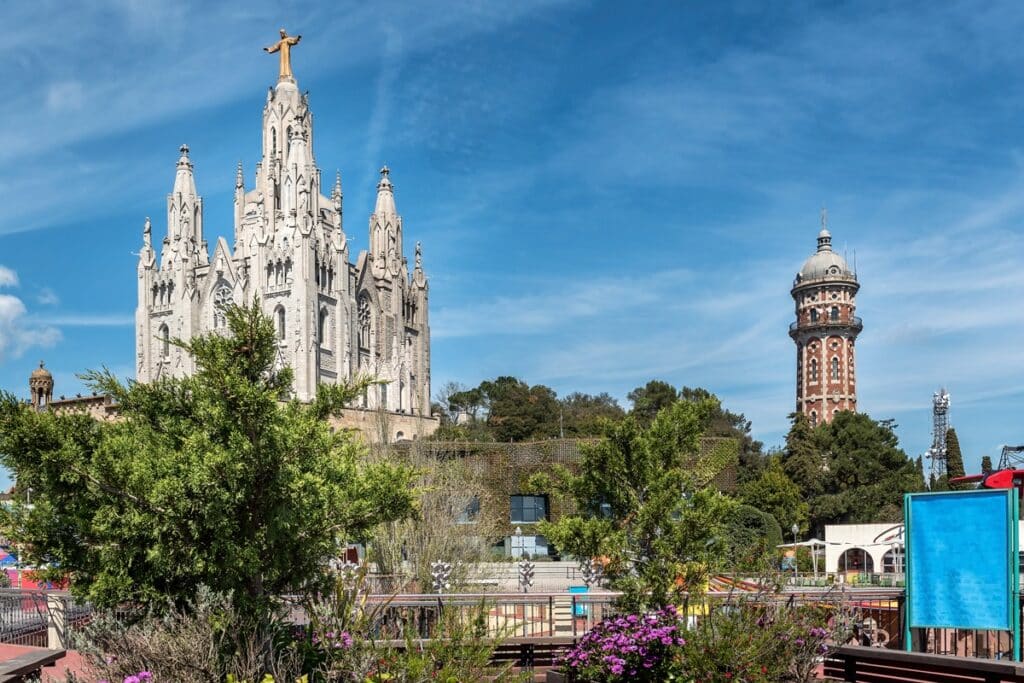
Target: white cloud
17, 333
47, 297
8, 278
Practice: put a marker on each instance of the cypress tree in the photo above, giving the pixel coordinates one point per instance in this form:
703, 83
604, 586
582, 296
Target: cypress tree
954, 459
986, 464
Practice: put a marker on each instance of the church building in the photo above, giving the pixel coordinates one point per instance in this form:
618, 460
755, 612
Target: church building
825, 294
335, 319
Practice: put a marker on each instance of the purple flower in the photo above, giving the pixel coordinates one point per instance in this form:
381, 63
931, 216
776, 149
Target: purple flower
145, 676
131, 679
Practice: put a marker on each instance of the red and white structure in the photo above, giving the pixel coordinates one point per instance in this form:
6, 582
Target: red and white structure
825, 292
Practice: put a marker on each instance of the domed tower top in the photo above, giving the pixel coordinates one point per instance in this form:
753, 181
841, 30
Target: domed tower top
40, 384
824, 264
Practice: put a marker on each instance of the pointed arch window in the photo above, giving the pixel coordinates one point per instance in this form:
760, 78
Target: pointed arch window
322, 327
364, 322
279, 322
814, 315
834, 314
814, 369
835, 367
814, 418
165, 341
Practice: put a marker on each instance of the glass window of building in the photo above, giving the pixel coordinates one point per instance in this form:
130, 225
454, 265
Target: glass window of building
528, 509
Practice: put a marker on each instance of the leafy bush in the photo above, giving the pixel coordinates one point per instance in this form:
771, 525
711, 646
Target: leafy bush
205, 640
353, 639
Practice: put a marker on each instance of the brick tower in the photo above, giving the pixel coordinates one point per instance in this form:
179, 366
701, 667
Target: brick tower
825, 292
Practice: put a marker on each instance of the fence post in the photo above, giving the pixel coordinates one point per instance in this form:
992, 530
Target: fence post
57, 622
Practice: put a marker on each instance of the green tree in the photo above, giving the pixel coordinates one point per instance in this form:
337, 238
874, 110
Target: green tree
517, 411
804, 461
581, 415
752, 459
650, 399
641, 505
954, 460
753, 536
986, 464
775, 494
867, 473
211, 480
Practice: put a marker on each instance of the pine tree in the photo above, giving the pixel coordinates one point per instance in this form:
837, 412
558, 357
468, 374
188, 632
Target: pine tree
954, 460
986, 464
803, 461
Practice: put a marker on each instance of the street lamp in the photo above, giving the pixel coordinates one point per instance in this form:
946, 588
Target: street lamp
518, 541
796, 563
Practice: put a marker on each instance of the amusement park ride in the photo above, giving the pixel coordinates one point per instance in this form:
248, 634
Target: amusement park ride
1010, 473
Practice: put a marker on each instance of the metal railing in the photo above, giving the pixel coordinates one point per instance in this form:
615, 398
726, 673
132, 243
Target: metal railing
875, 612
826, 322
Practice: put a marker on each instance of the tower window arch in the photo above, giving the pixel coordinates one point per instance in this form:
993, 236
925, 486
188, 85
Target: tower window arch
814, 418
814, 369
279, 320
834, 314
165, 341
835, 367
814, 315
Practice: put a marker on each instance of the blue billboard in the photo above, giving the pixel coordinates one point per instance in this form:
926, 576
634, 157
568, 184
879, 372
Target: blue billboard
962, 562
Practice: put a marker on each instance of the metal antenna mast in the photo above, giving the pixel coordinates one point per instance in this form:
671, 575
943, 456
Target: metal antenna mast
940, 425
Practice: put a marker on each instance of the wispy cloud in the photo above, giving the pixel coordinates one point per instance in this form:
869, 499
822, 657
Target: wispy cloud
8, 278
47, 297
88, 320
556, 304
142, 64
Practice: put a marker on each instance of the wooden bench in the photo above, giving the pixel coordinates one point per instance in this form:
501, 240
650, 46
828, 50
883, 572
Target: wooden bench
27, 666
877, 665
531, 653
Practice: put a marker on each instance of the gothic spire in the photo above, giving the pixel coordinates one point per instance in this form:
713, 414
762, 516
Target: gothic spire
385, 194
336, 193
184, 181
239, 178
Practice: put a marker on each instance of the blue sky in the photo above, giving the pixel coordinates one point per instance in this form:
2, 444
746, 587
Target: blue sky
605, 193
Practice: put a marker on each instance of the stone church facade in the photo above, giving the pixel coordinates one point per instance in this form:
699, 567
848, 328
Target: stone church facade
825, 331
335, 319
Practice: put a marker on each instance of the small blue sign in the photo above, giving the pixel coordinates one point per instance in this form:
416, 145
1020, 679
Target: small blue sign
962, 559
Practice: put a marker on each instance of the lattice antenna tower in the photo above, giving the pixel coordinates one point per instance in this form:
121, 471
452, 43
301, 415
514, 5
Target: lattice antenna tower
940, 425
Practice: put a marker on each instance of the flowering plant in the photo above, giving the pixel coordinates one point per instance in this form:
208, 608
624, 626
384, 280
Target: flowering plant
628, 648
748, 642
141, 677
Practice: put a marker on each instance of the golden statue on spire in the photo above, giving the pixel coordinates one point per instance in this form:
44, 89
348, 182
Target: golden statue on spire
284, 46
